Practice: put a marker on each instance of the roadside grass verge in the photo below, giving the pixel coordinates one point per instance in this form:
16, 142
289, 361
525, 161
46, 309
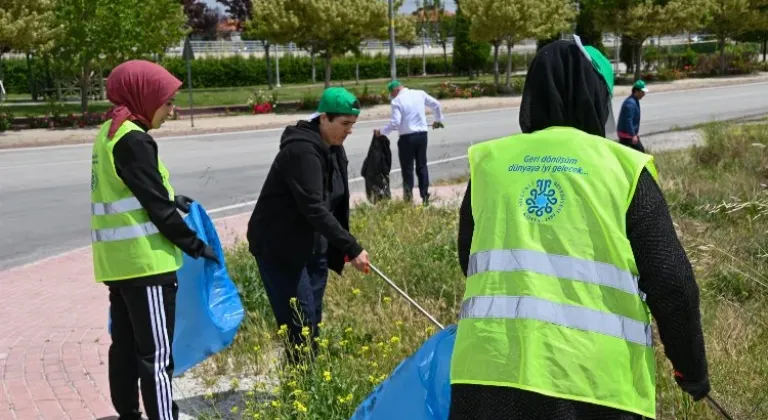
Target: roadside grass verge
207, 97
719, 201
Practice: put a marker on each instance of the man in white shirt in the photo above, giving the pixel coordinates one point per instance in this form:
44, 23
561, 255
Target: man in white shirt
410, 120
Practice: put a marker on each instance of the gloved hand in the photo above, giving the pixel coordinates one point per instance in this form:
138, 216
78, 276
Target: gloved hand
698, 389
210, 254
437, 125
183, 202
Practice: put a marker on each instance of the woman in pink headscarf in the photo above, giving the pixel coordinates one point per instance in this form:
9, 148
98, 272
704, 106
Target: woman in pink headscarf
138, 238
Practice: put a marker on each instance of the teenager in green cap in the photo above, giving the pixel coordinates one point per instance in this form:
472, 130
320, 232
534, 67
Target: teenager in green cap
300, 225
628, 127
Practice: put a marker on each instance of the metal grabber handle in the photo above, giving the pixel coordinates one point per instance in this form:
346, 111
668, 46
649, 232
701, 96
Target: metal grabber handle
403, 294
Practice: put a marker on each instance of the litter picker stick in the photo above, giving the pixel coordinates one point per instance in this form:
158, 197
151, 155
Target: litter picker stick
403, 294
715, 406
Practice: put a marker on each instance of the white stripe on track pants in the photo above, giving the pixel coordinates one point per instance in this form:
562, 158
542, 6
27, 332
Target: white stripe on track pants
142, 333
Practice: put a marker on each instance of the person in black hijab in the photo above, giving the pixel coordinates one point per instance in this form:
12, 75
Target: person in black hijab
563, 88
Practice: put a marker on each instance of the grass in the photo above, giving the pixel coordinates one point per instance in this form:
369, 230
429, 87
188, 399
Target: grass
240, 95
718, 197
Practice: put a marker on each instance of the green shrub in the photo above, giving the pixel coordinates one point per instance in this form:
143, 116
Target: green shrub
6, 118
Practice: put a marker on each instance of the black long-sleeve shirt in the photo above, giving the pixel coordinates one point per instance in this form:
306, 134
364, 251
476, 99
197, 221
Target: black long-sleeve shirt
135, 158
666, 275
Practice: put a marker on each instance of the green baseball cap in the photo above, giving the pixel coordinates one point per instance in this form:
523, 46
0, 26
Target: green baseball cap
392, 85
337, 100
640, 84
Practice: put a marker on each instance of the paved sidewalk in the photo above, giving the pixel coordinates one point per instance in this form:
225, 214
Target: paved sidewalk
53, 339
217, 124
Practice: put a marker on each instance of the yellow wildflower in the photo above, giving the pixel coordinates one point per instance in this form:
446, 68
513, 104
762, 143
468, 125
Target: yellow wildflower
293, 384
297, 393
364, 349
299, 407
234, 410
324, 343
276, 404
430, 330
394, 340
399, 324
348, 330
387, 299
283, 330
293, 301
343, 343
355, 292
327, 376
374, 364
256, 348
321, 324
256, 416
305, 331
249, 394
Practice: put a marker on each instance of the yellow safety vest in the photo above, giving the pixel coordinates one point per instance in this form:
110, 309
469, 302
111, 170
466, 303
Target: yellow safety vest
126, 244
552, 303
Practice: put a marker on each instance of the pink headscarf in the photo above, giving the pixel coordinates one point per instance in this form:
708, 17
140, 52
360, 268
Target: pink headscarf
137, 88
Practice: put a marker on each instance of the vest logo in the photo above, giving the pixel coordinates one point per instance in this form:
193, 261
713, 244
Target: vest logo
542, 200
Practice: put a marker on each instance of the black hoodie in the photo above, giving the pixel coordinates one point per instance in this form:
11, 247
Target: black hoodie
294, 203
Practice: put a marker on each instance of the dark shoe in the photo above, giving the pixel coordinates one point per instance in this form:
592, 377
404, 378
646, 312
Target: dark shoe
425, 200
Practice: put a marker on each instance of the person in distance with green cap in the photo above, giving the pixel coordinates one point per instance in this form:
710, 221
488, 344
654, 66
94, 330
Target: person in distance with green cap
628, 127
410, 120
300, 224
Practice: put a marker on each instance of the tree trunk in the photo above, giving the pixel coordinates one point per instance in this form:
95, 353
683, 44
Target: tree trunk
638, 59
445, 57
314, 67
509, 64
85, 81
496, 63
721, 46
765, 48
102, 93
408, 65
269, 63
328, 69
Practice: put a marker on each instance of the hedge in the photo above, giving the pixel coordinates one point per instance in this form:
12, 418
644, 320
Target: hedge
239, 71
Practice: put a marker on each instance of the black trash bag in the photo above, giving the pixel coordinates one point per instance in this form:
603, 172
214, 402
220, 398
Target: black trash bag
375, 170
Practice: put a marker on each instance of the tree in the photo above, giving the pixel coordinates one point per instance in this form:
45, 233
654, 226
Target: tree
94, 30
586, 26
241, 10
274, 23
511, 21
336, 27
201, 19
468, 56
729, 19
25, 25
444, 30
405, 35
637, 20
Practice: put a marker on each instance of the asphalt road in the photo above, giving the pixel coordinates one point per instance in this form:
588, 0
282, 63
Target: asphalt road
44, 193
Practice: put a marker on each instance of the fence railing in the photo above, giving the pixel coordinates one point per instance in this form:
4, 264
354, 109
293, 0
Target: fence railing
231, 47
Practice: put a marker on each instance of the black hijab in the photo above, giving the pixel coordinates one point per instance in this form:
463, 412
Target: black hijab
562, 88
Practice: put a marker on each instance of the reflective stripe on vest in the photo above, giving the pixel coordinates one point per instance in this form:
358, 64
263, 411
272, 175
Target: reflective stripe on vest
122, 206
125, 232
561, 266
528, 307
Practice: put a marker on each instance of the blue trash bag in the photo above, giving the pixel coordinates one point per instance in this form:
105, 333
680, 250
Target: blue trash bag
208, 306
420, 386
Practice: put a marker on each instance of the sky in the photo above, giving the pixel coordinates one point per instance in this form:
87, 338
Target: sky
409, 6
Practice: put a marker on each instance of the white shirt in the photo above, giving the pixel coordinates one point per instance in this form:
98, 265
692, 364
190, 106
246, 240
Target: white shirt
409, 113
